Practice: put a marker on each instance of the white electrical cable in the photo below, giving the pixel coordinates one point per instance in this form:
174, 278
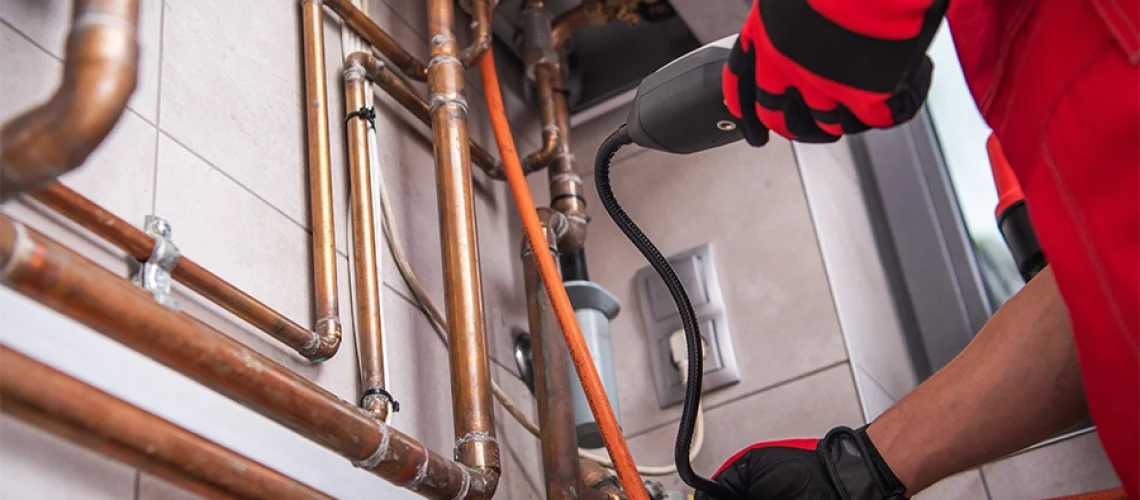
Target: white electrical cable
439, 325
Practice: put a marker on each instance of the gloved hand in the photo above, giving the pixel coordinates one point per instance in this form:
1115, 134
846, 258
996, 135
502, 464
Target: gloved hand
814, 70
844, 465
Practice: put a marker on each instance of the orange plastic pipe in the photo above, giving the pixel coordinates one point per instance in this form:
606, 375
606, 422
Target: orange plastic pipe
552, 280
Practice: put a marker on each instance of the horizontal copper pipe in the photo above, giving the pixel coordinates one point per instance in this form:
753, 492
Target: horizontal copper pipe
372, 33
100, 71
558, 436
368, 336
379, 73
86, 416
72, 285
480, 32
325, 290
140, 245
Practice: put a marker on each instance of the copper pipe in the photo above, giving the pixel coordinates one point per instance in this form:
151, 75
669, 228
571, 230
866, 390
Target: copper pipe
368, 324
140, 245
475, 446
551, 378
565, 185
372, 33
572, 21
379, 73
600, 483
100, 72
93, 419
72, 285
480, 32
551, 137
325, 290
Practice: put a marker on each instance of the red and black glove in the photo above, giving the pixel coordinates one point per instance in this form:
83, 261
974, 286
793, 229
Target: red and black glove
813, 70
844, 465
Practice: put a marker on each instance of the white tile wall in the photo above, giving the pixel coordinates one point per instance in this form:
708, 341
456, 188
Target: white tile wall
863, 301
214, 142
1075, 465
32, 463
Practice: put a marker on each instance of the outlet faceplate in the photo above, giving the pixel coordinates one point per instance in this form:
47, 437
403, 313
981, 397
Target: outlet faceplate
697, 271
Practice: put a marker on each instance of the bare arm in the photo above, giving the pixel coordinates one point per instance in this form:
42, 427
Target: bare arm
1015, 384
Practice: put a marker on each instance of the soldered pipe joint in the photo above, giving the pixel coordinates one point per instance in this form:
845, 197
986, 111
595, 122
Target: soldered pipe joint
329, 333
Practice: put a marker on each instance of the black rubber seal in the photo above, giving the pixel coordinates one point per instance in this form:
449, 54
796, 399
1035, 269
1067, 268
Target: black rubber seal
563, 196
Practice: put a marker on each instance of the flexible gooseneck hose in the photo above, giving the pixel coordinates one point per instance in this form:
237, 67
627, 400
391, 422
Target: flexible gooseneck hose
689, 410
563, 310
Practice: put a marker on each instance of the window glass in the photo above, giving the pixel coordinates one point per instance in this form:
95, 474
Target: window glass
962, 135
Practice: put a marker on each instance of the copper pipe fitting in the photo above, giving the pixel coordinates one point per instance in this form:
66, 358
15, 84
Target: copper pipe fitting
379, 74
480, 33
476, 445
72, 285
600, 483
139, 245
100, 422
372, 33
368, 324
558, 435
325, 290
100, 72
574, 20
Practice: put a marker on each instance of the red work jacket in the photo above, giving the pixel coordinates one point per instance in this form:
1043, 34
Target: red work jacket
1058, 82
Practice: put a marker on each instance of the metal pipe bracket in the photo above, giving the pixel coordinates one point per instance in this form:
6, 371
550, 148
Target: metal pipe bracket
154, 274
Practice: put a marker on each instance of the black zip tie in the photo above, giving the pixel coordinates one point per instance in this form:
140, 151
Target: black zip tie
376, 390
364, 113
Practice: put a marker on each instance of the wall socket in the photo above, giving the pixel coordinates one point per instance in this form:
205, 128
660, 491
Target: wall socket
697, 271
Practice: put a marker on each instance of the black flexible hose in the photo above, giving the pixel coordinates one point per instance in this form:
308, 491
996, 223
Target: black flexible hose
606, 152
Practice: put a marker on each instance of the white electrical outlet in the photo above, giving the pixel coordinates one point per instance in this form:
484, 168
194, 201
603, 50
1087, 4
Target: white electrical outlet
697, 271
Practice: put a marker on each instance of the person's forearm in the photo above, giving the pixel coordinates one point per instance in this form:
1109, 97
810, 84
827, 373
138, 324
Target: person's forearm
1015, 384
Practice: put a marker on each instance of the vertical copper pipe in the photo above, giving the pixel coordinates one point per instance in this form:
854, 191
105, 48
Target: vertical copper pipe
379, 73
565, 185
551, 136
72, 285
368, 335
372, 33
470, 374
558, 436
325, 291
84, 415
480, 32
100, 72
139, 245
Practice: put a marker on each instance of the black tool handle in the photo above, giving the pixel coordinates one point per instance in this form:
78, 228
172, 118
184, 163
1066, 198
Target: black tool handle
680, 107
